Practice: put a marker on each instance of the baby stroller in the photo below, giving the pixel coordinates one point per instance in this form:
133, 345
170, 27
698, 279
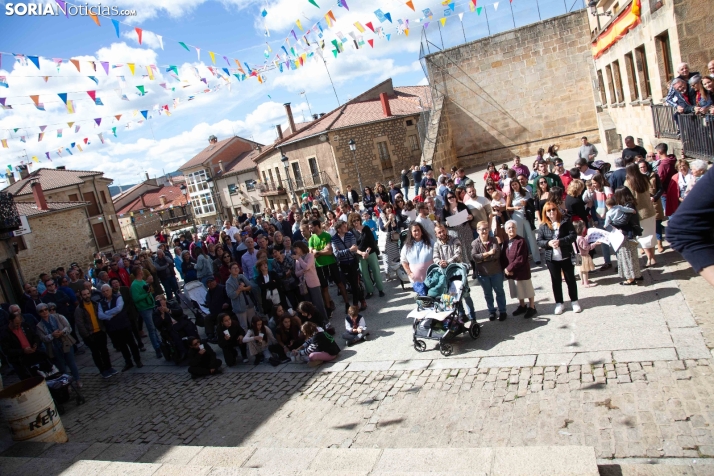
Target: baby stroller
441, 316
194, 297
59, 385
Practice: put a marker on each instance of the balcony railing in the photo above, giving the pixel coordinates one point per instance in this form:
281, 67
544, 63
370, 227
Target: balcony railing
177, 220
311, 181
697, 135
284, 186
665, 126
272, 188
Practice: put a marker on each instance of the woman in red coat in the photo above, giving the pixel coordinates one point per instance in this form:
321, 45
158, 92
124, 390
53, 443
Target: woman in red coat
492, 173
677, 186
518, 271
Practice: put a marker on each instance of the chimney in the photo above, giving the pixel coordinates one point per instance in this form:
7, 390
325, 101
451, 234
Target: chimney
39, 196
162, 199
61, 167
314, 117
11, 178
23, 171
279, 128
385, 105
322, 114
289, 112
220, 166
147, 176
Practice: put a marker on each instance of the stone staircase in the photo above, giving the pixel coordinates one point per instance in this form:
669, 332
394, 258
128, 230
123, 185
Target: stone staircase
83, 459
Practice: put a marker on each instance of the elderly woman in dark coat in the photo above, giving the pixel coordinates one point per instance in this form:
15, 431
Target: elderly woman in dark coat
518, 271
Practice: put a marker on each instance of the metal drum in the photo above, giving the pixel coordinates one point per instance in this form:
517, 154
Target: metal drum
31, 413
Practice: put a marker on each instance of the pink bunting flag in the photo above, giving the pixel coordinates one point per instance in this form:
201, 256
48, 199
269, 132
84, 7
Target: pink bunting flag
93, 95
105, 65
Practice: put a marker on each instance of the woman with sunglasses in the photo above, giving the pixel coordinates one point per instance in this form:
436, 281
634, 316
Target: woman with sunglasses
54, 330
556, 236
369, 199
382, 192
463, 231
542, 196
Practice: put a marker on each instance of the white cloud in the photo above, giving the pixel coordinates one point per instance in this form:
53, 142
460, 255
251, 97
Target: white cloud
172, 8
423, 82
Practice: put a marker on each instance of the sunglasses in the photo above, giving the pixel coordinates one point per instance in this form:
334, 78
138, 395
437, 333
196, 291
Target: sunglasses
44, 310
451, 197
542, 183
490, 189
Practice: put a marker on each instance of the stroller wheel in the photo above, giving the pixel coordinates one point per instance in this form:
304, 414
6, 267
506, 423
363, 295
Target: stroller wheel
419, 345
80, 400
446, 349
474, 330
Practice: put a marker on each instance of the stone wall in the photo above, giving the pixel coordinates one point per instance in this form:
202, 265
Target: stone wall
695, 28
57, 239
395, 132
518, 91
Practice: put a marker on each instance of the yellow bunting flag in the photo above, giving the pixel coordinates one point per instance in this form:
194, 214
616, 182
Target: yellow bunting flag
151, 73
329, 22
46, 78
406, 31
131, 68
70, 124
299, 25
4, 143
35, 159
359, 27
443, 21
70, 106
79, 147
213, 56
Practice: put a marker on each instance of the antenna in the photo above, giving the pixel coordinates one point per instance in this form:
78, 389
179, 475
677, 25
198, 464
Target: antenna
303, 93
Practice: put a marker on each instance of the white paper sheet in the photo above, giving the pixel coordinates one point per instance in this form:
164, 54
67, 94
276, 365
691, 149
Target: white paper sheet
616, 240
411, 214
458, 219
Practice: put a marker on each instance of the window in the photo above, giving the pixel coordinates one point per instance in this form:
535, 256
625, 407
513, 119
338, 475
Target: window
601, 86
410, 122
100, 233
103, 196
111, 225
618, 81
277, 174
643, 74
232, 189
18, 243
314, 171
297, 174
265, 178
384, 155
631, 77
270, 172
250, 185
256, 208
413, 142
201, 196
610, 84
93, 207
272, 204
664, 61
73, 197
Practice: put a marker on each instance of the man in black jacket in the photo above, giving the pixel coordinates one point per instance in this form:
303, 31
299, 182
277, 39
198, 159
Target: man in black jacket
135, 320
22, 347
165, 269
217, 302
111, 311
32, 299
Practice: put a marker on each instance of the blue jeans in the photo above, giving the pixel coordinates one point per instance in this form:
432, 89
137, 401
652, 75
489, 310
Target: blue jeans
659, 230
148, 316
66, 359
469, 308
416, 190
170, 286
491, 284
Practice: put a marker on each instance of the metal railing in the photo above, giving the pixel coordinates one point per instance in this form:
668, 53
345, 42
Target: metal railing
665, 126
177, 220
280, 187
272, 188
697, 135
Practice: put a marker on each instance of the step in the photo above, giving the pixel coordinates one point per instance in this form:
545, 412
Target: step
83, 459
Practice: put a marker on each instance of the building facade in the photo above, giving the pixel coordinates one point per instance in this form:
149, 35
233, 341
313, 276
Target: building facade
60, 185
239, 187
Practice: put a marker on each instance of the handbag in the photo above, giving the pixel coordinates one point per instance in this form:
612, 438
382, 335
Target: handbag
394, 236
303, 286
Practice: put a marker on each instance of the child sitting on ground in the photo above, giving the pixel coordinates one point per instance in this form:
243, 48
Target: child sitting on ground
356, 327
584, 247
318, 348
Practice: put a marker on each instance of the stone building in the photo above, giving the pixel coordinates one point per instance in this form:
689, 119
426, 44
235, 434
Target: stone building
237, 185
61, 185
202, 172
512, 93
637, 47
383, 124
151, 206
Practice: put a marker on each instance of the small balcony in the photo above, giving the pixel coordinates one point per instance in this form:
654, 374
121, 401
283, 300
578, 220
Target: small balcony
696, 131
311, 181
272, 188
175, 221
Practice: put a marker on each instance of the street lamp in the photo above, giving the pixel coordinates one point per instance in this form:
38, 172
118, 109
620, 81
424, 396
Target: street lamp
284, 159
353, 148
184, 191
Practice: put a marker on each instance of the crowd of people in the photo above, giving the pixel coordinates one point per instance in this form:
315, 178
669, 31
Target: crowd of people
268, 277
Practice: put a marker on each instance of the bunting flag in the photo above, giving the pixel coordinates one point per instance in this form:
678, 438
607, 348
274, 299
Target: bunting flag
198, 53
95, 18
371, 43
59, 133
42, 128
63, 7
70, 124
101, 137
117, 117
114, 131
48, 156
138, 33
79, 147
105, 65
452, 7
3, 82
131, 68
380, 15
264, 13
35, 98
461, 16
40, 107
213, 57
184, 45
299, 25
70, 152
343, 4
410, 4
161, 40
98, 120
495, 6
35, 159
443, 21
75, 63
22, 138
96, 81
141, 89
314, 3
370, 26
359, 27
41, 135
92, 94
116, 27
151, 73
70, 107
5, 146
478, 10
145, 114
76, 128
388, 16
35, 60
98, 102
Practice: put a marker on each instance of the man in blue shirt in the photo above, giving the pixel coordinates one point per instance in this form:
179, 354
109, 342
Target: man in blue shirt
417, 175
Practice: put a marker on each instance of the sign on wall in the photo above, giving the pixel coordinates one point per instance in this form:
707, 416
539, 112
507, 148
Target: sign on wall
24, 227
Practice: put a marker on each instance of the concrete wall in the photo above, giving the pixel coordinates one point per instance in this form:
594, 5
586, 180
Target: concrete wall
394, 132
518, 91
107, 211
57, 239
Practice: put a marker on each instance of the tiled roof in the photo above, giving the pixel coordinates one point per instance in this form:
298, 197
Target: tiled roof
244, 162
152, 199
228, 148
404, 102
126, 192
50, 179
30, 210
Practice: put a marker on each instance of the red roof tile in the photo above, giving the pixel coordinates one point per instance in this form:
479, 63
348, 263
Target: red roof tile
227, 150
50, 179
30, 210
152, 199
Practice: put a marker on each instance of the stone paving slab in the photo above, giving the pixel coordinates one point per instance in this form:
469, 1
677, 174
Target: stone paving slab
589, 358
553, 461
355, 459
644, 355
223, 457
175, 455
545, 360
476, 461
689, 343
359, 366
283, 459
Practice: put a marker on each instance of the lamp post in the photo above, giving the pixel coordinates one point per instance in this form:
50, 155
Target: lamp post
353, 148
184, 191
284, 159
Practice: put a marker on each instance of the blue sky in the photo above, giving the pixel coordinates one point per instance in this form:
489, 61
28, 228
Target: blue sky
233, 28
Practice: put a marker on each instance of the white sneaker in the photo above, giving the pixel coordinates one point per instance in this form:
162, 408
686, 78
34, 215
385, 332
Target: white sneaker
558, 309
576, 307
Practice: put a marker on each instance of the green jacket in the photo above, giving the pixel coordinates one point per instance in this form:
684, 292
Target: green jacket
143, 300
